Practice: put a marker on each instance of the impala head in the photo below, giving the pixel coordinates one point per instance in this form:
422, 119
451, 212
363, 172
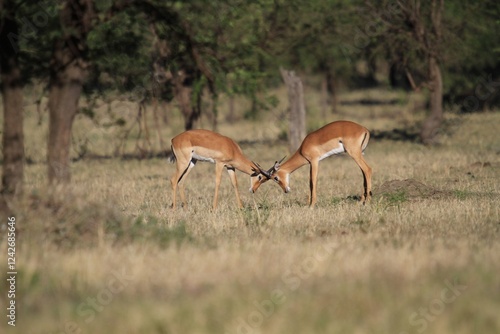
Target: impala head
274, 173
258, 177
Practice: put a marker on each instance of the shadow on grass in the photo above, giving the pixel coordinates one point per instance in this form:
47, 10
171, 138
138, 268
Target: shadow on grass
408, 134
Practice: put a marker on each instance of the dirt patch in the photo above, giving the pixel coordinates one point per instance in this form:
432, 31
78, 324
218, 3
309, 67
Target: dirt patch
409, 189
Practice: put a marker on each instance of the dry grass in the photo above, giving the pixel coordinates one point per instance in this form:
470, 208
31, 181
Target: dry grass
111, 257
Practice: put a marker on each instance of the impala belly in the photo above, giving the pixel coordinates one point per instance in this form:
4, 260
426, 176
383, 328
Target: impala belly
339, 149
201, 158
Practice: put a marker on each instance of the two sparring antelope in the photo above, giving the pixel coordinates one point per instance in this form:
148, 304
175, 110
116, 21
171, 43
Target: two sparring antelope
332, 139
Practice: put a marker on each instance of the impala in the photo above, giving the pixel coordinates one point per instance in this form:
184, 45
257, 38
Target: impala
334, 138
203, 145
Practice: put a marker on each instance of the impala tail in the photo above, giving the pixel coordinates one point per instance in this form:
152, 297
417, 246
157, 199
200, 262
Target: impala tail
365, 141
171, 155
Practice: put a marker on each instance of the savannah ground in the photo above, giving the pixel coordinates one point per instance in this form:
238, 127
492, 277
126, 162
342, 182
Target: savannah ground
110, 256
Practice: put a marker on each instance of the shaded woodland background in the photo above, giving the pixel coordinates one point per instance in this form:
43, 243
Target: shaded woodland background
82, 54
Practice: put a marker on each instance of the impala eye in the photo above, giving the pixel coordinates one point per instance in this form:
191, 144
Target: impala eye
276, 179
260, 177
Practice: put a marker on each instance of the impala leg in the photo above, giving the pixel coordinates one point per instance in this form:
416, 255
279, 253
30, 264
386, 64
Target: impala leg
178, 181
313, 181
218, 175
181, 182
367, 176
173, 182
234, 181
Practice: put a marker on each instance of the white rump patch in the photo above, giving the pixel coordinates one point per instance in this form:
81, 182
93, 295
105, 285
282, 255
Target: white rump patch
338, 150
200, 158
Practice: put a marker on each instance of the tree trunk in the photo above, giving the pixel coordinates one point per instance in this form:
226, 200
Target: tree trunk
215, 112
12, 93
332, 90
430, 128
183, 91
297, 129
67, 74
194, 115
64, 93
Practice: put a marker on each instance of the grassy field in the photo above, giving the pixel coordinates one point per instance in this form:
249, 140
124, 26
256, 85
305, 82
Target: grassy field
110, 256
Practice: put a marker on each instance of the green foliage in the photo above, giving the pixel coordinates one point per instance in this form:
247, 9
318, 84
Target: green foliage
462, 194
38, 28
473, 55
466, 47
396, 198
120, 53
237, 47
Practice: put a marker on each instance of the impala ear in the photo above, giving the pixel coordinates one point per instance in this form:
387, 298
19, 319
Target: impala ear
277, 164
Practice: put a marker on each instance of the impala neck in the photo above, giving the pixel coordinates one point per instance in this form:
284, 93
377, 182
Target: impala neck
295, 162
243, 165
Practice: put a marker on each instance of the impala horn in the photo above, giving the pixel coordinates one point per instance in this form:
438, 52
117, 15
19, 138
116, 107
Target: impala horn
266, 173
